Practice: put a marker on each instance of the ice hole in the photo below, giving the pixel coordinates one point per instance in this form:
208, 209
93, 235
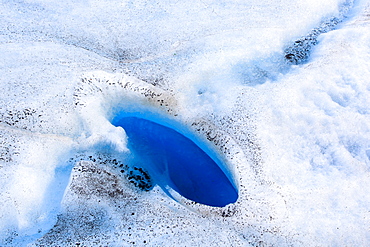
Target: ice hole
175, 160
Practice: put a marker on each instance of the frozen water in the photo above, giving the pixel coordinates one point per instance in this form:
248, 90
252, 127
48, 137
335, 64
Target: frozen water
175, 160
295, 138
300, 51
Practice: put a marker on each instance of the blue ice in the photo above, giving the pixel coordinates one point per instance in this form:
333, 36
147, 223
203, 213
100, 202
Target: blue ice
174, 160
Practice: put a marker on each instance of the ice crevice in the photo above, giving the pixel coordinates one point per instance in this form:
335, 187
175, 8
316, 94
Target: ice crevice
122, 93
125, 99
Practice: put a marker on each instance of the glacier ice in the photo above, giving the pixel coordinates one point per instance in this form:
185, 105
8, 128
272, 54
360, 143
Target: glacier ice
295, 137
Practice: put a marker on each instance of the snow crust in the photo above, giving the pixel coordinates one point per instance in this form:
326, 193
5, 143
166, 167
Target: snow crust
296, 137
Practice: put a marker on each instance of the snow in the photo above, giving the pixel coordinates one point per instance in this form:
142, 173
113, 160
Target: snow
295, 136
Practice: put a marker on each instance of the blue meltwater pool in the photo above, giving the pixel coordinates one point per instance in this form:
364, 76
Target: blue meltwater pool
174, 160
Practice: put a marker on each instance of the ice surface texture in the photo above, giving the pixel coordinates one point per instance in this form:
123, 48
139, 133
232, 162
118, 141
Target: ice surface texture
295, 137
300, 51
